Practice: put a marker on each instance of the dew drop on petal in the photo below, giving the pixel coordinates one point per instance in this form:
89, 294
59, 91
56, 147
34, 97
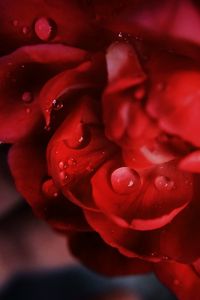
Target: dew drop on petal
57, 105
44, 28
163, 183
49, 189
139, 94
71, 162
79, 139
124, 180
27, 97
25, 29
62, 165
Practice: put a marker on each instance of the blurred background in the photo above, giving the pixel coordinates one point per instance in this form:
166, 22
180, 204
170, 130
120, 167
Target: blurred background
35, 262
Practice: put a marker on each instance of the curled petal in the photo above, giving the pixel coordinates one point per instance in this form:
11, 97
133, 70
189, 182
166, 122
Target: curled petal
22, 75
37, 21
76, 150
179, 100
47, 202
88, 75
191, 163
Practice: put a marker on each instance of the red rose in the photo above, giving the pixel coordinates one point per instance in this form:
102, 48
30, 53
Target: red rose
101, 102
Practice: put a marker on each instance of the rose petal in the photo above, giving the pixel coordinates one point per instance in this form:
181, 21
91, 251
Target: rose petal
179, 100
180, 278
61, 214
22, 75
141, 200
102, 258
76, 150
191, 163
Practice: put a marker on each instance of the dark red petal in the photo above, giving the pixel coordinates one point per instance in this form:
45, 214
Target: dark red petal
179, 100
142, 200
153, 19
22, 23
22, 75
102, 258
77, 149
131, 243
185, 227
180, 278
191, 163
90, 74
29, 178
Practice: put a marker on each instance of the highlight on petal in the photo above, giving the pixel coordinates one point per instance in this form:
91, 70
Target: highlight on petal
191, 163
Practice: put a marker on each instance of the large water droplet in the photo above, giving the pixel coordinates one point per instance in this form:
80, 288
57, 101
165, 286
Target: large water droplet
49, 189
124, 180
27, 97
163, 183
45, 28
79, 138
56, 104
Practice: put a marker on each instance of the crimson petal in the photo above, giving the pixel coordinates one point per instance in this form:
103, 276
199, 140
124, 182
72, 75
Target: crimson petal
22, 75
61, 214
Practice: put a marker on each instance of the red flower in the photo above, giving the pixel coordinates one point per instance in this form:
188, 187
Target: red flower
100, 101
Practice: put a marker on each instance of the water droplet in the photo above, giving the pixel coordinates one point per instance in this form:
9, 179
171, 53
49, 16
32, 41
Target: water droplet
63, 177
79, 138
139, 94
176, 282
71, 162
62, 165
49, 189
15, 23
25, 29
28, 110
124, 180
120, 35
163, 183
45, 28
57, 105
27, 97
